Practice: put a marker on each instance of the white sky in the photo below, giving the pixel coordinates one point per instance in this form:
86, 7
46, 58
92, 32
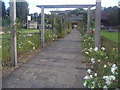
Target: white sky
33, 3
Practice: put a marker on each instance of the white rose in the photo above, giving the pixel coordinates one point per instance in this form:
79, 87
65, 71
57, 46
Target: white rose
91, 76
86, 77
112, 77
92, 87
103, 48
98, 60
95, 74
92, 60
107, 57
105, 86
114, 65
91, 48
105, 66
96, 48
84, 84
89, 71
33, 47
108, 82
87, 52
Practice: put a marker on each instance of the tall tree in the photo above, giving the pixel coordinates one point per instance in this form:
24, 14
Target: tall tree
22, 10
113, 15
3, 9
36, 16
2, 12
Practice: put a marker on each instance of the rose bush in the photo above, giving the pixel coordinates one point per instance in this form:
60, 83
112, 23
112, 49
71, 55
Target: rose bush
103, 67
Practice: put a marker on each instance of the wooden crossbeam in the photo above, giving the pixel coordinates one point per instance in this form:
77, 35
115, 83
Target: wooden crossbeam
66, 6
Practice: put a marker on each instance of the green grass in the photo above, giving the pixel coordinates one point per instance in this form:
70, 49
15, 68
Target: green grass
26, 42
29, 30
110, 35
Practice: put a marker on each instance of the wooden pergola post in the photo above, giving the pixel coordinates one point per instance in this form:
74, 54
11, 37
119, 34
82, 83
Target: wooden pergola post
97, 23
13, 32
88, 20
42, 26
54, 21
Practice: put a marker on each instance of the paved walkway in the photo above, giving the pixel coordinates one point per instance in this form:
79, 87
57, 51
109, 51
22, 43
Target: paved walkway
57, 66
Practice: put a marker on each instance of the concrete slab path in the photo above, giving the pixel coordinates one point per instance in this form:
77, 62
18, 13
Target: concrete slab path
57, 66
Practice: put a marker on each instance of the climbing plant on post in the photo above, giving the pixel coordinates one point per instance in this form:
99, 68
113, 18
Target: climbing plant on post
59, 26
53, 22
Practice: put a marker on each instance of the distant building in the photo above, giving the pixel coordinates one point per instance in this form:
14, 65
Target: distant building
32, 25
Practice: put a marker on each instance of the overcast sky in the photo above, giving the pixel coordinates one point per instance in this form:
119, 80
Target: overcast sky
33, 3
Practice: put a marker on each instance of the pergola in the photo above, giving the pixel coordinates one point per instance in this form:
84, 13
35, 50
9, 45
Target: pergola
89, 6
13, 22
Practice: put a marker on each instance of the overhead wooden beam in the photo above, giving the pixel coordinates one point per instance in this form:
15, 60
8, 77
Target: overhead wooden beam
97, 23
66, 6
88, 20
13, 32
42, 26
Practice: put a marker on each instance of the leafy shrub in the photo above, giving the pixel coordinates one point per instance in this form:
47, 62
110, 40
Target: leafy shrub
103, 67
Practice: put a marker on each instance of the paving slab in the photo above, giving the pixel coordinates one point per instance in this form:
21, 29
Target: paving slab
60, 65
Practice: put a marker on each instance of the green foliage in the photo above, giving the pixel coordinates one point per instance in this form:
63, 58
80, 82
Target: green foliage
26, 43
113, 15
50, 36
19, 24
102, 67
29, 43
82, 27
2, 9
88, 41
22, 10
79, 11
21, 13
108, 35
103, 78
59, 27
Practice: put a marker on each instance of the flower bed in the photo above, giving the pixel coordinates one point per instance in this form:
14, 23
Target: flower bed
102, 67
26, 43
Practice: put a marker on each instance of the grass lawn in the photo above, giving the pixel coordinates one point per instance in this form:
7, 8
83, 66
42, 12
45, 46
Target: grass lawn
29, 30
110, 35
27, 41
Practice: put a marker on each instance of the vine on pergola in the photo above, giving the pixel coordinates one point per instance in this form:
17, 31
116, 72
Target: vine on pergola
60, 25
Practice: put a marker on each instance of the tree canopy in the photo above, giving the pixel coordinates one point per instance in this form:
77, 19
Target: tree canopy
22, 10
2, 9
113, 15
